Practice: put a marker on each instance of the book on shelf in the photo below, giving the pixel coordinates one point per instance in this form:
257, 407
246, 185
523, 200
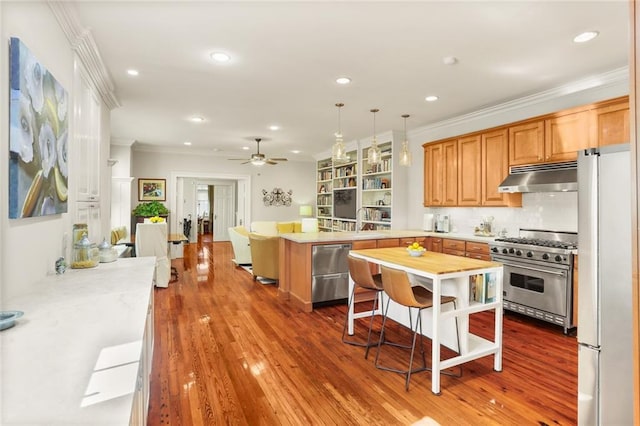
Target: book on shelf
482, 288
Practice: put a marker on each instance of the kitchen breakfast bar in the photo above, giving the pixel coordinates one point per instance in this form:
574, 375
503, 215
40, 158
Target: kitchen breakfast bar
476, 284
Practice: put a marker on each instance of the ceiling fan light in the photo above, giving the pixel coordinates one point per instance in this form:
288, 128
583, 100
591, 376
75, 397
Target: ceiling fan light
258, 162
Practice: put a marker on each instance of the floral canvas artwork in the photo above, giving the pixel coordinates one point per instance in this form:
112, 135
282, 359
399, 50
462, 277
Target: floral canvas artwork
39, 129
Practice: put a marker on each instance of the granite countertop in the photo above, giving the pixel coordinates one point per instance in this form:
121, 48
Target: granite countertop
329, 237
73, 357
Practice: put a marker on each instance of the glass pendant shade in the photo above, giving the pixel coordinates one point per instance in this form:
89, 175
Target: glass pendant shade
405, 154
338, 151
374, 155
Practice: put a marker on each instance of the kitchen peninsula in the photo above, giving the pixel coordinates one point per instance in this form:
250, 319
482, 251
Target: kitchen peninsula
297, 249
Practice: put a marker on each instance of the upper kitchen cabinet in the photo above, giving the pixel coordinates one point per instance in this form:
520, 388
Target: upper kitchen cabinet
565, 135
482, 166
495, 168
441, 173
526, 143
611, 122
557, 138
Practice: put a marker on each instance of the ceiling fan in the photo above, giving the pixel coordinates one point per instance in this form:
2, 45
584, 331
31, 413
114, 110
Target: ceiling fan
259, 159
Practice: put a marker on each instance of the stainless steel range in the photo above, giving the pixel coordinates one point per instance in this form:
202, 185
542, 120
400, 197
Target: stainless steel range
538, 274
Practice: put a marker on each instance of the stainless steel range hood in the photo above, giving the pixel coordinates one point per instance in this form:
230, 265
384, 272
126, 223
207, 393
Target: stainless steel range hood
553, 177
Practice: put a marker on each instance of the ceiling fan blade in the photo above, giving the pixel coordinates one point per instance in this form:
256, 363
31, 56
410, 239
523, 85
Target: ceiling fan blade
238, 159
246, 162
278, 159
271, 162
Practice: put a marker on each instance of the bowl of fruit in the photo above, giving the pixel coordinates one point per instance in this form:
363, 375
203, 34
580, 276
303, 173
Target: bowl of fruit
416, 250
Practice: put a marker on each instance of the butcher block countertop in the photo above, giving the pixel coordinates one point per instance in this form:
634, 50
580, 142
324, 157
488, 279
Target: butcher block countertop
435, 263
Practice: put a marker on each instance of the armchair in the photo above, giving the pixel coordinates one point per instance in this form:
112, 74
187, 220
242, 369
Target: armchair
151, 240
239, 237
265, 256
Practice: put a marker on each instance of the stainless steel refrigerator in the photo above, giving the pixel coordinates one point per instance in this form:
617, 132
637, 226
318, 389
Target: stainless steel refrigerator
605, 387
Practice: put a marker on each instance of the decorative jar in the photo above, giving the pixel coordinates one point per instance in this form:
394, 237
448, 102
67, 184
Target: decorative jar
85, 254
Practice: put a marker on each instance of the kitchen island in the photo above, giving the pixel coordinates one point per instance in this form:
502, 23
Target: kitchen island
448, 275
296, 255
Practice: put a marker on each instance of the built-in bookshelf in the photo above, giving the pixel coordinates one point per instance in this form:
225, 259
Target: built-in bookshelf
358, 190
324, 194
377, 189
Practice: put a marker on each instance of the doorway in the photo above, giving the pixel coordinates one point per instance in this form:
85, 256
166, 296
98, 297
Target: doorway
233, 208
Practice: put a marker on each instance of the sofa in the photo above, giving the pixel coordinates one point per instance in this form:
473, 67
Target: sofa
239, 237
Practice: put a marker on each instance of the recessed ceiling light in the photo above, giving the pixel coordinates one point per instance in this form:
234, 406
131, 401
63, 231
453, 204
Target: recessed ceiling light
296, 151
197, 119
220, 57
246, 148
585, 36
274, 127
449, 60
431, 98
187, 143
343, 80
133, 73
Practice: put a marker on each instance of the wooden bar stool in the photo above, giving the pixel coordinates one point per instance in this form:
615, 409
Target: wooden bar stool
360, 272
396, 284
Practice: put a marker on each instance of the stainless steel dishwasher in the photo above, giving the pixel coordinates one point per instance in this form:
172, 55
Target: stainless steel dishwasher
330, 272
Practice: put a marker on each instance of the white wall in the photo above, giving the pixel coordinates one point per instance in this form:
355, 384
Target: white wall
29, 246
298, 176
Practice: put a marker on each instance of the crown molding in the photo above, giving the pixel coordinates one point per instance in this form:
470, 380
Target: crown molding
85, 47
605, 80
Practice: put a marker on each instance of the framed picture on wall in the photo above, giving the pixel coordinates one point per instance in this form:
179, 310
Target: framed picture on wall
152, 189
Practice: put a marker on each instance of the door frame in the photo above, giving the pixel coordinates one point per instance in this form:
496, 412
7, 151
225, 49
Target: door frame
242, 181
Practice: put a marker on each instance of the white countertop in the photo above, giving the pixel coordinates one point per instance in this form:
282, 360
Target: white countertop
73, 357
329, 237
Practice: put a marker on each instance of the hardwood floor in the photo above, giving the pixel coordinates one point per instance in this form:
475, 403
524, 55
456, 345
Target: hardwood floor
227, 351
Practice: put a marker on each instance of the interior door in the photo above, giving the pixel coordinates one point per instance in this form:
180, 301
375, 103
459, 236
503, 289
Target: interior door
223, 208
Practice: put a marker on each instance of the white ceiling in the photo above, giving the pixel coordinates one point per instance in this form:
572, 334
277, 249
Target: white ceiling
285, 57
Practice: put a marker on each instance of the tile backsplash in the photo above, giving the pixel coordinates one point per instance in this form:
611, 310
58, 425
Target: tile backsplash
556, 211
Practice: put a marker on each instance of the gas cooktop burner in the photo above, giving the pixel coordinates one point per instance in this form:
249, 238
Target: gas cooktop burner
539, 242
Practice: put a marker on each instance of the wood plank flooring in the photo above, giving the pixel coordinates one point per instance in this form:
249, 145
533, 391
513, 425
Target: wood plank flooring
227, 351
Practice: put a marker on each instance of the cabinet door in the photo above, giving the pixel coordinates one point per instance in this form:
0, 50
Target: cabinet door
389, 242
611, 124
495, 168
526, 143
450, 165
469, 171
434, 173
436, 244
426, 175
565, 135
89, 213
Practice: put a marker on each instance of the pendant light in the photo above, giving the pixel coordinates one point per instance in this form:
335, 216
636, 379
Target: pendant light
405, 153
373, 154
338, 151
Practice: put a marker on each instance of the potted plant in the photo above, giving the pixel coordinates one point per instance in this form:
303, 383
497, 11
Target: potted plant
150, 209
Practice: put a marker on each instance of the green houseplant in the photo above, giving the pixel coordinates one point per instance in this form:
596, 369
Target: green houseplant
150, 209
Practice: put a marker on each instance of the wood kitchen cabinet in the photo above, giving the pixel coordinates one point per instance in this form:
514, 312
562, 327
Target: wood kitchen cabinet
441, 173
611, 123
470, 171
526, 143
565, 135
557, 138
483, 163
436, 244
454, 247
477, 250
